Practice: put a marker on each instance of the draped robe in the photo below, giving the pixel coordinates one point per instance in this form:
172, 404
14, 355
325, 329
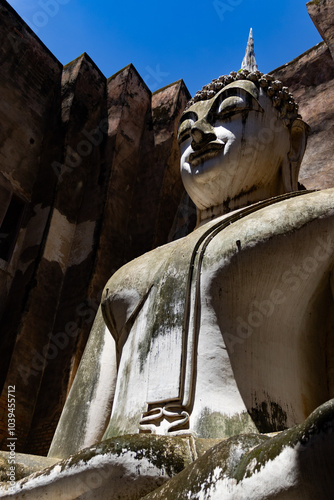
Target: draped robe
226, 331
229, 329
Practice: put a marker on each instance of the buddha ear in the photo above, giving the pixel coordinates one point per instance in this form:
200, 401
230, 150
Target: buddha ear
298, 139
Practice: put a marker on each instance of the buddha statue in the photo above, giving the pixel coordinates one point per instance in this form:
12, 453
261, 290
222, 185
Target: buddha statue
228, 331
212, 332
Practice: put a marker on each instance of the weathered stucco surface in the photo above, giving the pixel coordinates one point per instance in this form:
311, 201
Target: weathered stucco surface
127, 467
280, 268
310, 78
322, 13
81, 152
24, 465
296, 465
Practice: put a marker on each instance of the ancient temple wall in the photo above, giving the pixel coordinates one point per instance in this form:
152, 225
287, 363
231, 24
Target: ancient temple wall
30, 75
100, 218
29, 110
310, 78
95, 163
71, 244
166, 102
29, 96
322, 15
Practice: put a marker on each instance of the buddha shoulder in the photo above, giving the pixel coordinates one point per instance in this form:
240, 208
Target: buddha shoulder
301, 219
130, 285
310, 214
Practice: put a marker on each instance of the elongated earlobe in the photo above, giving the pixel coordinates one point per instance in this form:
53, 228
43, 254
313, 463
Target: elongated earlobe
299, 133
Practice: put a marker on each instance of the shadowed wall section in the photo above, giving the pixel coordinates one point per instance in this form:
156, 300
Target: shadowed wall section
80, 151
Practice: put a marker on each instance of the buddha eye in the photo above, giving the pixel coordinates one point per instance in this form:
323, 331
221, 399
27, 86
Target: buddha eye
184, 130
233, 104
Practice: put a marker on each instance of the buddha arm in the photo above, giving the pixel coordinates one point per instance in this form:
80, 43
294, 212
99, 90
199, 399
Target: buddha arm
88, 407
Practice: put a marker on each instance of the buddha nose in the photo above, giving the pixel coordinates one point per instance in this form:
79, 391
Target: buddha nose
202, 133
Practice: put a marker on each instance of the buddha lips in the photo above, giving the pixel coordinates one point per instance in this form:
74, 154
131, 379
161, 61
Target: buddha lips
211, 150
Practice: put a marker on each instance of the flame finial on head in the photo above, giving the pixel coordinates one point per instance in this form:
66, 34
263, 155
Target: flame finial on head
249, 62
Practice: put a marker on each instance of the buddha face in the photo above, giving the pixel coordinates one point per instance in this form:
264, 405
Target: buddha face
233, 146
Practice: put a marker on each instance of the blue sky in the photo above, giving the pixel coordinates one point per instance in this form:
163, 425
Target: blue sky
194, 40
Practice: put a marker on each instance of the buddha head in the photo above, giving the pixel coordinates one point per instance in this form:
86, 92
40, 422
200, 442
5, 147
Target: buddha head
242, 141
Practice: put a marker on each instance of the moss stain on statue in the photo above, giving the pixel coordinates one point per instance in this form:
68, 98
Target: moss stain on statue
171, 287
162, 316
117, 423
216, 425
269, 416
169, 455
319, 422
219, 461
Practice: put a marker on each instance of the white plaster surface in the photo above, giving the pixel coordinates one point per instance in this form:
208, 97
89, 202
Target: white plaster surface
83, 242
60, 238
102, 477
95, 425
275, 479
212, 179
244, 360
88, 407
